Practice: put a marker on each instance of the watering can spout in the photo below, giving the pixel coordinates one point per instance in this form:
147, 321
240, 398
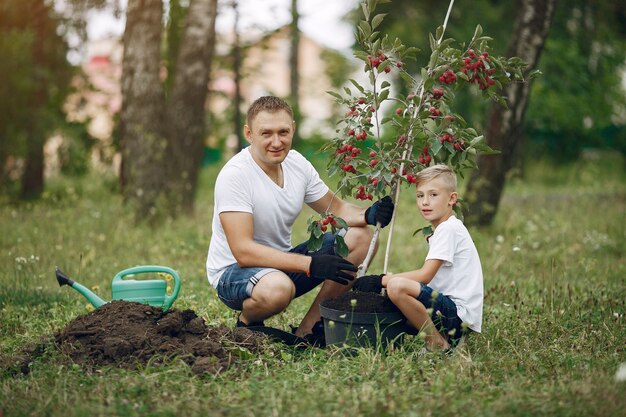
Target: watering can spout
63, 279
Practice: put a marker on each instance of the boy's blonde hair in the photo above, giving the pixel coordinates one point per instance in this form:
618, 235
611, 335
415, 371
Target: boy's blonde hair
436, 171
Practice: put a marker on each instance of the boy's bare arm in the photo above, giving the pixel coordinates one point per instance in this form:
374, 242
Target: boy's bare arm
423, 275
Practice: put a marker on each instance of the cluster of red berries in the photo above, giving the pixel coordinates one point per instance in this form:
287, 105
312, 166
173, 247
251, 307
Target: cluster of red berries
477, 71
437, 93
424, 157
411, 178
448, 77
434, 111
358, 136
373, 161
326, 221
351, 152
362, 195
376, 60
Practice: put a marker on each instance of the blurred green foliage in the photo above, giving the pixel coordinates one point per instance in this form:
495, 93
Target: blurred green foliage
579, 101
34, 80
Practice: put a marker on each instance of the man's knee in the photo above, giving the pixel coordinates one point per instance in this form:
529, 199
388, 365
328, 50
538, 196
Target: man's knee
359, 238
273, 294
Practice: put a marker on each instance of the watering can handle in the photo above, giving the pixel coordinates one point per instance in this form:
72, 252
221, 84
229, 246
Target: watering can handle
143, 269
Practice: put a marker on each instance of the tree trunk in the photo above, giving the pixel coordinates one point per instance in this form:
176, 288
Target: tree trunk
185, 117
32, 178
141, 129
294, 62
505, 126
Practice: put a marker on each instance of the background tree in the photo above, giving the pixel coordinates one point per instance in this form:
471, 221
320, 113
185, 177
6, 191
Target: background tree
35, 80
162, 137
294, 62
505, 125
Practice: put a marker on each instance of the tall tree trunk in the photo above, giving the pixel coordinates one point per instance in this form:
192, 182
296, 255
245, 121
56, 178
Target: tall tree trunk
237, 62
142, 140
294, 62
185, 117
32, 178
505, 126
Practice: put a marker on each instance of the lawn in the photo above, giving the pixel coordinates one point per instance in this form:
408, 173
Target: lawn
553, 336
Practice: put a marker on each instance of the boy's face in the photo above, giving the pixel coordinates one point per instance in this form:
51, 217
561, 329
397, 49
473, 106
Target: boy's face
435, 200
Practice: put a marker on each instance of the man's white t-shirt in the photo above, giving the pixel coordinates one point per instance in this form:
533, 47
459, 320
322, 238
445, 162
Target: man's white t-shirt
243, 186
460, 277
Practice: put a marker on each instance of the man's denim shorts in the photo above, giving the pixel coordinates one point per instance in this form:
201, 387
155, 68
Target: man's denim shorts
444, 314
236, 283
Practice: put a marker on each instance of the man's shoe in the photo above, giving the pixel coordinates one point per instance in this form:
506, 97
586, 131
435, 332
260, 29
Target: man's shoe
242, 324
316, 337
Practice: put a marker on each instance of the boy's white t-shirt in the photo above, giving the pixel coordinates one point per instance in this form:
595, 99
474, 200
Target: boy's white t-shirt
242, 186
460, 277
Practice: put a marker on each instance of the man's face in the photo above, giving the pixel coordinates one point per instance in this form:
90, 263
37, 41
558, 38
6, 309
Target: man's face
435, 200
270, 136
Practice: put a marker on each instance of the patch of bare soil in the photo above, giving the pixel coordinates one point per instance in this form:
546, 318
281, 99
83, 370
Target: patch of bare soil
366, 302
127, 334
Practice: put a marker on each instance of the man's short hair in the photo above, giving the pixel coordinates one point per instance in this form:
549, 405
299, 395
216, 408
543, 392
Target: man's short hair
439, 170
269, 104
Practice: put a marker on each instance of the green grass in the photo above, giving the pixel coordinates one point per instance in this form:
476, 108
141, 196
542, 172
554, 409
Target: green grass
554, 328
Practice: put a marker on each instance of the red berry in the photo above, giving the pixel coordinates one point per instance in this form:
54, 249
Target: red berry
361, 101
351, 132
373, 163
372, 154
324, 228
399, 111
325, 221
387, 70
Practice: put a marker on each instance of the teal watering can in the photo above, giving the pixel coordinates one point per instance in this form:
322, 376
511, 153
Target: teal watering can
148, 291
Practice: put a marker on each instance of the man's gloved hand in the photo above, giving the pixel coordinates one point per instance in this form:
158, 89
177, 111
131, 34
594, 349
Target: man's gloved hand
369, 283
380, 212
331, 267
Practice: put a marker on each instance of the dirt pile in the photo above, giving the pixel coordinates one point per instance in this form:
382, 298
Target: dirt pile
365, 302
126, 334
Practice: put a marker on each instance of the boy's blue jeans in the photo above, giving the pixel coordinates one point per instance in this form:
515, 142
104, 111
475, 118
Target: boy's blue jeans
444, 314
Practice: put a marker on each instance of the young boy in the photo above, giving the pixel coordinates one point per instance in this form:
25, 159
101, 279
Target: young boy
444, 297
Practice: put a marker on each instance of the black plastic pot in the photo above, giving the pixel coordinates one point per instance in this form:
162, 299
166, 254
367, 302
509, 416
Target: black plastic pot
362, 329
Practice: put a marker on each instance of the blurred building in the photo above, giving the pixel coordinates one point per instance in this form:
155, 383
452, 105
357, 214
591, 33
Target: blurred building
265, 70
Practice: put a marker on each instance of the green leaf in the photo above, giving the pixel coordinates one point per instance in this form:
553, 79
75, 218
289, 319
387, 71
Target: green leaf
477, 32
332, 93
341, 223
433, 58
377, 20
365, 28
433, 43
385, 84
426, 231
341, 248
439, 32
366, 11
347, 90
383, 95
357, 85
314, 243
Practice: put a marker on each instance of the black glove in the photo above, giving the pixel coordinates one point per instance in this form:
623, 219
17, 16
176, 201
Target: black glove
331, 267
380, 212
369, 283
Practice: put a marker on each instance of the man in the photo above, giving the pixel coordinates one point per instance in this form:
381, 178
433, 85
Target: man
258, 195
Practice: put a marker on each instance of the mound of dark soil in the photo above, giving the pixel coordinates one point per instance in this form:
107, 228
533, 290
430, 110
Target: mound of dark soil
127, 334
366, 302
